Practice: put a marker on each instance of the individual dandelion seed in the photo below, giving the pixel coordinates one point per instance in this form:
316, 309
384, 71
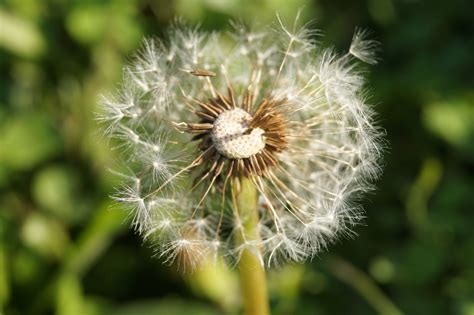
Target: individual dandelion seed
196, 115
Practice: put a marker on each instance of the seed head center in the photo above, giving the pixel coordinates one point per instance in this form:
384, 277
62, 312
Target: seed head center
231, 135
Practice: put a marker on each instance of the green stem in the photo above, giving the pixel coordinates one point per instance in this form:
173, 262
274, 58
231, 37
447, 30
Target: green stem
364, 285
252, 274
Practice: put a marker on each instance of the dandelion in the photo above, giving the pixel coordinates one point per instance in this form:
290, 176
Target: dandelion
253, 145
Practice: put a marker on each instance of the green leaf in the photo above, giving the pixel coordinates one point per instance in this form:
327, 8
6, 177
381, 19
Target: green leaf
453, 121
69, 299
216, 282
92, 23
166, 306
96, 237
55, 189
44, 235
87, 23
4, 278
27, 140
382, 269
20, 36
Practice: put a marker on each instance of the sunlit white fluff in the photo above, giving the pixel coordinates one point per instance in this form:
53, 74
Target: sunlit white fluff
305, 203
364, 48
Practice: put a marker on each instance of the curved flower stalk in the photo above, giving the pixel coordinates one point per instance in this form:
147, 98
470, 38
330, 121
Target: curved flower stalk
199, 112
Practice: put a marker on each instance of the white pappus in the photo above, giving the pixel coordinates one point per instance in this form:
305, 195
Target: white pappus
200, 109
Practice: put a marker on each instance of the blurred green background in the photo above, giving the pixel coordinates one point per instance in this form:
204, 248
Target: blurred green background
63, 251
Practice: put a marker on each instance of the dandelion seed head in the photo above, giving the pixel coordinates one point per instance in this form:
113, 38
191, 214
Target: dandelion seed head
194, 113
